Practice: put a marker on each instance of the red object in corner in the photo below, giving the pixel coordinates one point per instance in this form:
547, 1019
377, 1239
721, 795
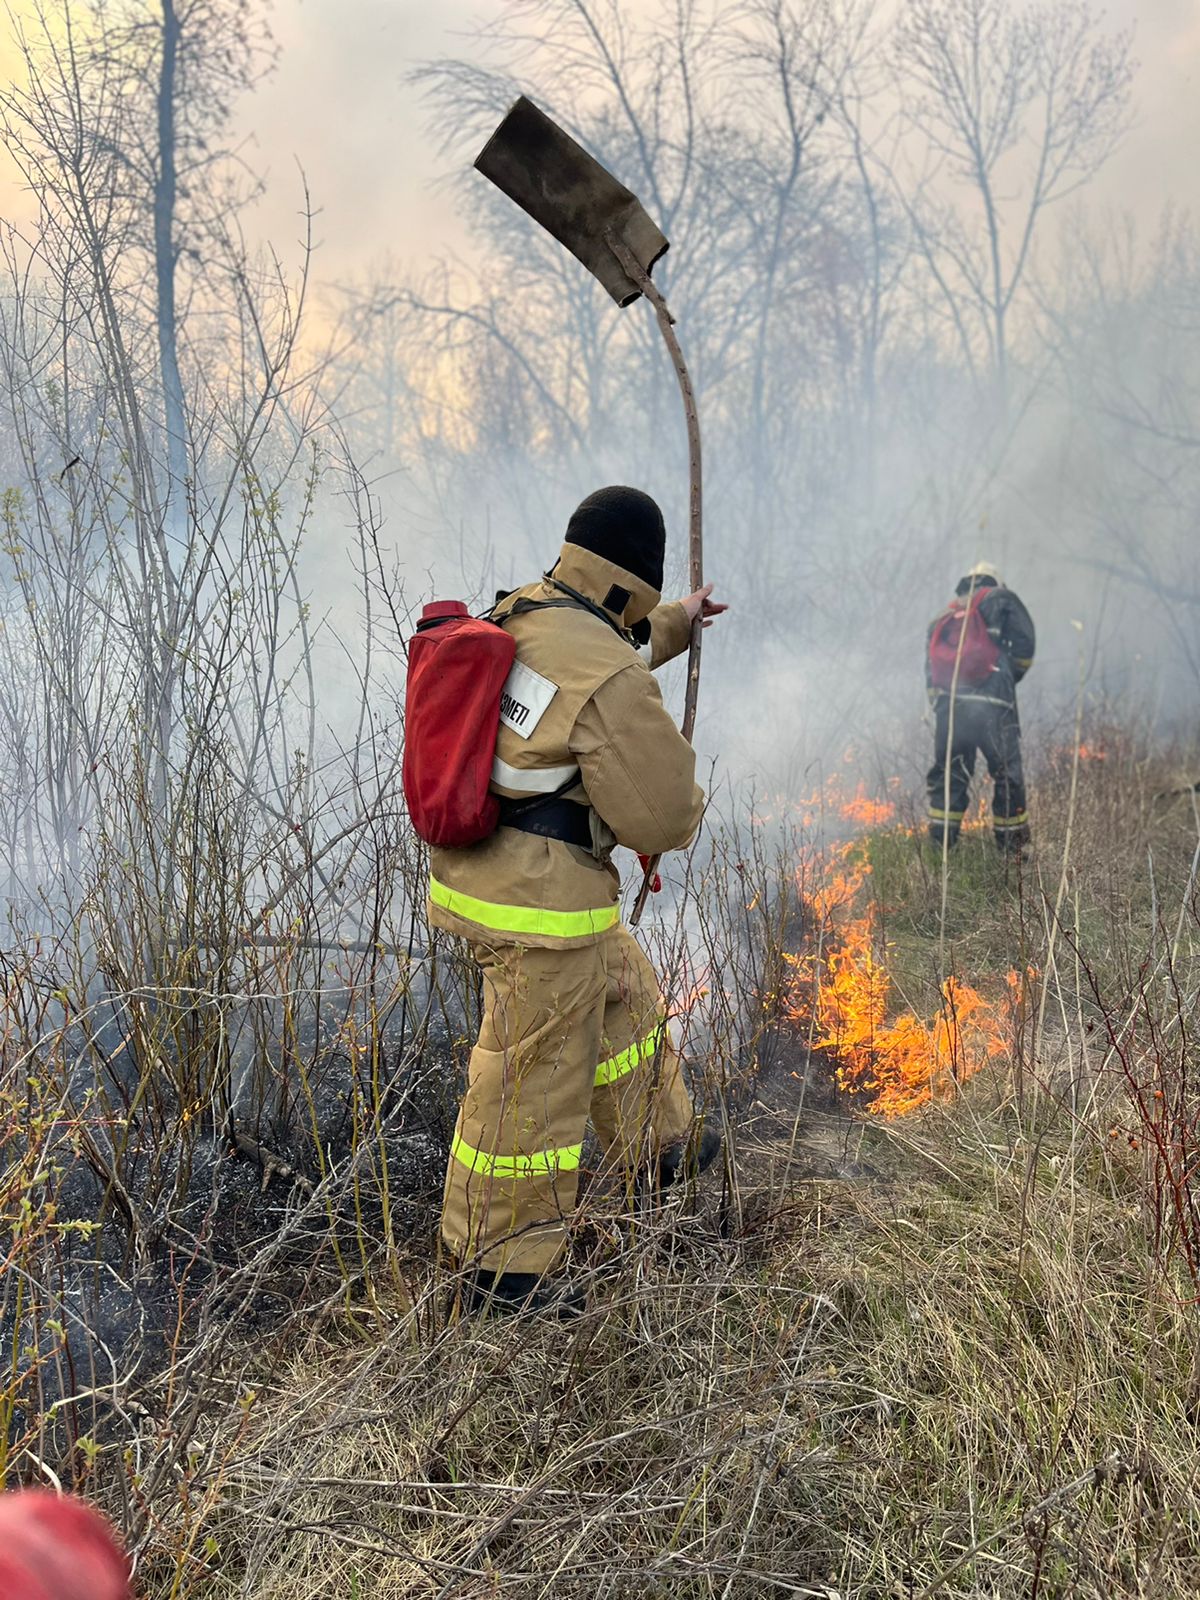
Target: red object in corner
55, 1547
457, 667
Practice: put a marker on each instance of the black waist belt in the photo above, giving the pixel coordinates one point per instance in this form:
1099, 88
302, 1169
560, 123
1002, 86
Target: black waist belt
552, 818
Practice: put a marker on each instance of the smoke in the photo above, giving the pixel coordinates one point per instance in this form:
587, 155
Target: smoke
858, 458
832, 586
199, 735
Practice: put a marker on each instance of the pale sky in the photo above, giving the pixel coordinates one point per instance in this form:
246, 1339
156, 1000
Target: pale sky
339, 105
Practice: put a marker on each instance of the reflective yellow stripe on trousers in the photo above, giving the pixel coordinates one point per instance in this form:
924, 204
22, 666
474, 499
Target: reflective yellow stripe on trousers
640, 1051
524, 919
540, 1164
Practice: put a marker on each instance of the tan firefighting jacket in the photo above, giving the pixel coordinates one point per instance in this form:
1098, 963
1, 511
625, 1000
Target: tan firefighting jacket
580, 703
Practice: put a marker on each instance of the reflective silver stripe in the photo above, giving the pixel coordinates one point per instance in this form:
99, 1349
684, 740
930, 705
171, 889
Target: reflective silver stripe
531, 780
979, 699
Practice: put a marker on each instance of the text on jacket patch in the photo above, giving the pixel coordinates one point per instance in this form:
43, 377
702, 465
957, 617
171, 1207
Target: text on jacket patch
525, 699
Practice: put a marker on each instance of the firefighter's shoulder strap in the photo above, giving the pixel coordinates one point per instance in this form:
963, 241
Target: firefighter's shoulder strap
573, 601
552, 815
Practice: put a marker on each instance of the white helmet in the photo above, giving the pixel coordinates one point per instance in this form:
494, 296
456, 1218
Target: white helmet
985, 569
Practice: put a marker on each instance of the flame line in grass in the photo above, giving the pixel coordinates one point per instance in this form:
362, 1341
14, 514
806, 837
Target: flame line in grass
841, 996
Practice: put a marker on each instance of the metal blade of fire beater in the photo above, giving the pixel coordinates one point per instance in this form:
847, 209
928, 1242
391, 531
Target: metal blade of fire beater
553, 178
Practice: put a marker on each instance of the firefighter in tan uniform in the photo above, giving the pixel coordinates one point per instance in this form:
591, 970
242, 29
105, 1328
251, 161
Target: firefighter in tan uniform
573, 1028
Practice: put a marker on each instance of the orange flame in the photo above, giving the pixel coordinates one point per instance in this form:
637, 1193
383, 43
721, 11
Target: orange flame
842, 996
861, 808
1064, 754
833, 800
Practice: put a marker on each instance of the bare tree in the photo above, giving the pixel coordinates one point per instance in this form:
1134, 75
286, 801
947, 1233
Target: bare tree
1017, 107
730, 125
795, 57
179, 791
1122, 321
120, 117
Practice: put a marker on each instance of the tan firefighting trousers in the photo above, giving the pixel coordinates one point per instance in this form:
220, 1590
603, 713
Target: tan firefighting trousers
566, 1034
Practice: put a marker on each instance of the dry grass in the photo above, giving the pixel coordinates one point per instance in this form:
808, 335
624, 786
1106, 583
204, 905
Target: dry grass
952, 1355
956, 1371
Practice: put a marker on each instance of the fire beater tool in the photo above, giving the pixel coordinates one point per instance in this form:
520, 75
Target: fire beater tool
567, 191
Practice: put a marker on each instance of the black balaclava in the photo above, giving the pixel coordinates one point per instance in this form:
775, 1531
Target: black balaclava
625, 527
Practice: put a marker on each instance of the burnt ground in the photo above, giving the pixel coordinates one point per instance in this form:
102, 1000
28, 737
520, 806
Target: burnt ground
222, 1236
259, 1226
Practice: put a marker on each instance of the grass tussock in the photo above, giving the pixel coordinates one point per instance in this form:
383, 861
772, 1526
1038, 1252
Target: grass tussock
956, 1372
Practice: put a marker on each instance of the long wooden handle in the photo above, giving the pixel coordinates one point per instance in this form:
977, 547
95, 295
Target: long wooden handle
666, 323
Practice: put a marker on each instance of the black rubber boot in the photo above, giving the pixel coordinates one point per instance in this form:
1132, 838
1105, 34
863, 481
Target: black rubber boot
508, 1294
687, 1159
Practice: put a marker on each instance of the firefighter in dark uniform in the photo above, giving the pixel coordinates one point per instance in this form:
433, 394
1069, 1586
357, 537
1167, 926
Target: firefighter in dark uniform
972, 716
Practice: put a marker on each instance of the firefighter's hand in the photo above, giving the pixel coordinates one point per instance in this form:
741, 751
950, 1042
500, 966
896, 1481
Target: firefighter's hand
656, 881
699, 605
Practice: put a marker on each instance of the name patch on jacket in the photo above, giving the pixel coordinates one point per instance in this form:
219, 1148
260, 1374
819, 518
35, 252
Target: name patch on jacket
525, 699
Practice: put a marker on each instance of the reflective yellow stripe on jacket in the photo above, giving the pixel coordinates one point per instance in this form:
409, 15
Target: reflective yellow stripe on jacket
523, 919
541, 1163
641, 1051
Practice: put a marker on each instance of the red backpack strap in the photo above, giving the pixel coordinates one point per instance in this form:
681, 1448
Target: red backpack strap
960, 608
954, 612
